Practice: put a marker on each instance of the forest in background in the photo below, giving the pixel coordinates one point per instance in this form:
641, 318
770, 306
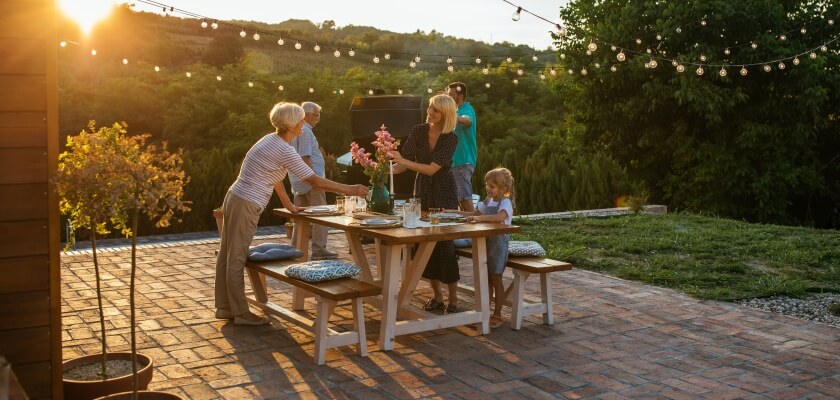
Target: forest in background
550, 131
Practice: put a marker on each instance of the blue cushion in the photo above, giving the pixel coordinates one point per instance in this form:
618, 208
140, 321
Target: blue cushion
322, 270
525, 248
273, 251
462, 243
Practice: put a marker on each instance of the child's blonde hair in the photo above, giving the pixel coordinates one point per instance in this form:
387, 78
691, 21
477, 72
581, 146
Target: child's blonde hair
502, 177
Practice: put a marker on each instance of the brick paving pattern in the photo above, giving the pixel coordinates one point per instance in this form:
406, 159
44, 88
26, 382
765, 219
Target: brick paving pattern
613, 339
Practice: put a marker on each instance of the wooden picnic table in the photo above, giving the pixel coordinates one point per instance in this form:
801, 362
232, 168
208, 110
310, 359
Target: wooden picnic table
399, 272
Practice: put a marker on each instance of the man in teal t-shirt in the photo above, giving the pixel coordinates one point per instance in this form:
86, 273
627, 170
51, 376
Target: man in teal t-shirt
466, 153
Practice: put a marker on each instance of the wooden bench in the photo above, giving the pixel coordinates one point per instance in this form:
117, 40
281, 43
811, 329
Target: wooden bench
524, 267
327, 295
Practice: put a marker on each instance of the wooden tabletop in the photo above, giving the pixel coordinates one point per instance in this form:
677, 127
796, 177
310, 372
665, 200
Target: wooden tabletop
400, 235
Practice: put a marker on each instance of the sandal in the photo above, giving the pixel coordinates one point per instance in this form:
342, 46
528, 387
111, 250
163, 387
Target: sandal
433, 305
495, 321
452, 309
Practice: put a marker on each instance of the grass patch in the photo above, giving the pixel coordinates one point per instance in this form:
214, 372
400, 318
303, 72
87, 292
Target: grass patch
706, 257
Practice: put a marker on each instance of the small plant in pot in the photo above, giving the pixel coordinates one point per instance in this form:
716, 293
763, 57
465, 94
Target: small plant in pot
107, 180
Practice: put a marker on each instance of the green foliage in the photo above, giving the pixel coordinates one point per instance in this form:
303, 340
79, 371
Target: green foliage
761, 147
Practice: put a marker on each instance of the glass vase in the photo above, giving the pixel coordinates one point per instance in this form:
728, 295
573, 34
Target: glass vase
380, 200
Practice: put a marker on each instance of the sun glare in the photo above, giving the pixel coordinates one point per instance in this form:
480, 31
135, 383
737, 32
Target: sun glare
87, 13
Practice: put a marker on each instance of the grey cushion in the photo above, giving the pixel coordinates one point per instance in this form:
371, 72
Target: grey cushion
322, 270
525, 248
462, 243
273, 251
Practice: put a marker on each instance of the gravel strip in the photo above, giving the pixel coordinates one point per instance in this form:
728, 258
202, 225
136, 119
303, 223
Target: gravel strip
812, 307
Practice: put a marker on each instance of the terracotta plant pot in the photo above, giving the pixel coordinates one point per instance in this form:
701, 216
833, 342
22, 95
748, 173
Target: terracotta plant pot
145, 395
85, 390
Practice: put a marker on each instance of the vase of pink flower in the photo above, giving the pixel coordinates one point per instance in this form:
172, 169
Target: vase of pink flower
377, 168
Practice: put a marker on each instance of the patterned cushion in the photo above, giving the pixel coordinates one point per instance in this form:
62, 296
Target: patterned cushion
322, 270
273, 251
525, 248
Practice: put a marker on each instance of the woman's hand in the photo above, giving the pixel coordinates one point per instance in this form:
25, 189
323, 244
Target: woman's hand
358, 190
394, 155
295, 209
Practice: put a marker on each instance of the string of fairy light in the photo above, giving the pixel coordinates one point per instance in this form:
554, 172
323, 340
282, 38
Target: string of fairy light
623, 51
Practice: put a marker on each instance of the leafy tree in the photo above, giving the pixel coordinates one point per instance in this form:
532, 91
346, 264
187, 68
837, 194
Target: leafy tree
761, 146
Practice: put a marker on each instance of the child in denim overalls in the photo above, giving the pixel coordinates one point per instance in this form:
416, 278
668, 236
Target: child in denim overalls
497, 207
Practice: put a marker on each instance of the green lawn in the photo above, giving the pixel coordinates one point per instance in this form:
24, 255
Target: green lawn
706, 257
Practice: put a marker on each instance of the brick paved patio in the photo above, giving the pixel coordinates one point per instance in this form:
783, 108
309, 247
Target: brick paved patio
613, 339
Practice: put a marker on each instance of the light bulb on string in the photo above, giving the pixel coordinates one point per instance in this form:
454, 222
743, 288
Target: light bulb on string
93, 52
703, 22
351, 53
204, 24
678, 30
613, 68
700, 71
658, 37
680, 68
298, 46
727, 51
823, 48
519, 72
597, 65
813, 55
535, 58
370, 92
782, 37
754, 45
280, 88
552, 72
449, 60
516, 14
157, 69
613, 48
485, 71
189, 74
478, 60
588, 53
620, 56
542, 76
280, 41
796, 61
592, 46
219, 78
412, 64
583, 71
653, 63
417, 58
674, 62
125, 61
399, 91
62, 43
722, 72
802, 31
638, 41
487, 85
561, 31
647, 65
562, 56
703, 57
256, 36
376, 59
570, 71
311, 90
509, 60
340, 91
242, 33
649, 51
781, 65
337, 53
387, 56
767, 68
214, 25
429, 90
831, 22
744, 71
250, 84
450, 68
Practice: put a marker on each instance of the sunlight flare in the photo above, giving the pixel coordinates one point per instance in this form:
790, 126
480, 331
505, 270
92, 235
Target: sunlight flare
87, 13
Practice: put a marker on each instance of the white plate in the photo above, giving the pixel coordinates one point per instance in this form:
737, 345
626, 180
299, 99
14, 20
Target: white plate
319, 209
450, 215
377, 221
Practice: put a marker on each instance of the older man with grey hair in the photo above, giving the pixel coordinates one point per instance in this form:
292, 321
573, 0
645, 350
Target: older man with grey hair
305, 195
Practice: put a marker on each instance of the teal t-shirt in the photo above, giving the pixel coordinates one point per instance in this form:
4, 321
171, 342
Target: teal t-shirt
467, 149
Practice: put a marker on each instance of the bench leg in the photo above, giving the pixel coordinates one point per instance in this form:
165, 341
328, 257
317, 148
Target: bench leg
518, 300
258, 284
359, 325
545, 291
322, 318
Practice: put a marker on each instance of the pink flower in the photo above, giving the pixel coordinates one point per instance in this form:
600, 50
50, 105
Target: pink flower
376, 166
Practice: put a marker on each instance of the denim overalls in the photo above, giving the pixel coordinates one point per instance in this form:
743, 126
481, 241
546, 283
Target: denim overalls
497, 246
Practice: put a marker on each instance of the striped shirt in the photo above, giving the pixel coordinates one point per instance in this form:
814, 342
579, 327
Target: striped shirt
264, 166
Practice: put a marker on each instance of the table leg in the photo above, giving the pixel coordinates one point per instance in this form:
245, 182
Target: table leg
390, 288
354, 241
414, 271
482, 301
301, 237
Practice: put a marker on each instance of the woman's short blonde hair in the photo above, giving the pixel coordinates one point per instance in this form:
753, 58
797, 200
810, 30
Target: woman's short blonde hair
284, 116
446, 105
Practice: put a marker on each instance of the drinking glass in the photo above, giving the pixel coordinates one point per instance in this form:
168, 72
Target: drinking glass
434, 215
339, 203
361, 203
349, 205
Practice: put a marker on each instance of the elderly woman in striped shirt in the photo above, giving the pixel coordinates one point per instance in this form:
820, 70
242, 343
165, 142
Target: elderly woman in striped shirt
263, 170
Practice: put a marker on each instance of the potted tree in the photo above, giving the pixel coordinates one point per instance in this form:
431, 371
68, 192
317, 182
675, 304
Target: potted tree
109, 180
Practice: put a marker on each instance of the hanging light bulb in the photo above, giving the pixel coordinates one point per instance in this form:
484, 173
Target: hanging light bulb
311, 90
562, 56
399, 91
387, 56
412, 64
478, 60
613, 48
726, 51
485, 71
653, 63
487, 85
280, 88
242, 34
429, 90
831, 22
588, 53
552, 71
189, 74
782, 37
570, 71
204, 24
534, 58
509, 60
449, 60
219, 78
700, 71
722, 72
658, 37
781, 65
796, 61
316, 48
703, 22
638, 41
376, 59
93, 52
744, 71
157, 69
515, 81
583, 71
370, 92
450, 68
250, 84
519, 72
680, 68
125, 61
542, 76
62, 44
647, 65
802, 31
256, 36
823, 48
351, 53
613, 68
516, 15
674, 62
620, 56
703, 57
592, 46
649, 51
754, 45
597, 65
679, 30
298, 46
813, 55
214, 25
280, 41
340, 91
337, 53
417, 58
767, 68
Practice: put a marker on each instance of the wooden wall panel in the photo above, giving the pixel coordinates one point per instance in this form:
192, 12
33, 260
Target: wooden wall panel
23, 93
24, 274
24, 202
24, 238
23, 137
26, 165
24, 19
22, 56
25, 346
25, 310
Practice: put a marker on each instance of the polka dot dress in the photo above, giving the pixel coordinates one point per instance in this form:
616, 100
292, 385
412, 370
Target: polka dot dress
436, 191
